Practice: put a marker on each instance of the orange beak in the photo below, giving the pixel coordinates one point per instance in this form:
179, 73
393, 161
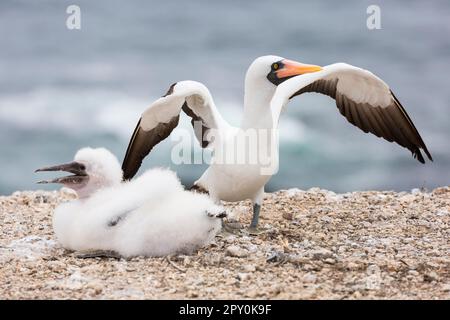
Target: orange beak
292, 68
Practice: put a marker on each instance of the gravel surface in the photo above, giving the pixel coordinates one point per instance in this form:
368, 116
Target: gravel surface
316, 245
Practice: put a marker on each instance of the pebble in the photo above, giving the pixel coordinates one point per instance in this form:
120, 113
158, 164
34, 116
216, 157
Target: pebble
321, 253
249, 268
309, 277
430, 276
288, 215
236, 251
413, 272
243, 276
441, 213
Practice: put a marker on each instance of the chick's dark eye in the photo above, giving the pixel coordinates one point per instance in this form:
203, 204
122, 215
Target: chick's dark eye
82, 167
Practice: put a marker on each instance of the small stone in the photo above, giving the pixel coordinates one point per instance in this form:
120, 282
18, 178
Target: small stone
192, 294
249, 268
413, 272
442, 213
320, 254
243, 276
288, 215
352, 266
96, 286
260, 268
252, 294
230, 239
298, 260
236, 251
366, 224
326, 219
309, 277
430, 276
277, 256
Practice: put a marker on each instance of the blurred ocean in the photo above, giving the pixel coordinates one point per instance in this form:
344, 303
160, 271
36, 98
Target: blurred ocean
61, 90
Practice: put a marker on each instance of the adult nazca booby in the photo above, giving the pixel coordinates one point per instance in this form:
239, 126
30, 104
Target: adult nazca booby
362, 98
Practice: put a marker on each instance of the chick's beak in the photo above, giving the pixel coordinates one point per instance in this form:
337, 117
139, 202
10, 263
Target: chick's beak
79, 173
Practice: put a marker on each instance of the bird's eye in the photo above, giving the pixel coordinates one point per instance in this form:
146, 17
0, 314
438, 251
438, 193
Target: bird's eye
82, 167
275, 66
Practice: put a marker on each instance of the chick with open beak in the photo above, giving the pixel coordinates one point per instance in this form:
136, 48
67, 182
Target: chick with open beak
151, 215
91, 170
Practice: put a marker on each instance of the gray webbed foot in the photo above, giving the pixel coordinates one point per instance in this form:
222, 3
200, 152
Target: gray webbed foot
232, 226
255, 231
97, 254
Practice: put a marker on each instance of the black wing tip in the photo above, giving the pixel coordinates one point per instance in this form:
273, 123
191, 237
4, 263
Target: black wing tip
127, 177
129, 173
418, 155
422, 144
428, 154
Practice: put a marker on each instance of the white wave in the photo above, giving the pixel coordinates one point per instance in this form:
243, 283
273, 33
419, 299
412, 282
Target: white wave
81, 112
73, 111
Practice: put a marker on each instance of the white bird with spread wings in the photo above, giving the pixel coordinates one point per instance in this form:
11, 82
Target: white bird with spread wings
362, 98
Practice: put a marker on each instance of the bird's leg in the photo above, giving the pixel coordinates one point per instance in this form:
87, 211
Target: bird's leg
257, 201
255, 219
253, 229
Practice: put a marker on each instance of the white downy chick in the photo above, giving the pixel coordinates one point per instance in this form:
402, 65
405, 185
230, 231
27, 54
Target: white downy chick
151, 216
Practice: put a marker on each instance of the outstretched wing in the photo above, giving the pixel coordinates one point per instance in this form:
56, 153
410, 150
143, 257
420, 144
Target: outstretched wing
362, 98
159, 120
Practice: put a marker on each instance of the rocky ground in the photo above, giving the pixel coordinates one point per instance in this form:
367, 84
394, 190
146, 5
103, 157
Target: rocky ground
316, 245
